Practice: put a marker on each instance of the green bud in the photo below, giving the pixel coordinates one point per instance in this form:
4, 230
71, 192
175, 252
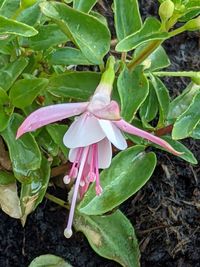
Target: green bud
196, 78
27, 3
193, 24
166, 10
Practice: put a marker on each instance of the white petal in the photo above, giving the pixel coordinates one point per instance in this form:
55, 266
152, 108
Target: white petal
84, 131
113, 134
104, 153
72, 154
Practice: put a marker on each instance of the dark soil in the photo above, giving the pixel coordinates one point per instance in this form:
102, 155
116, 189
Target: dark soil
165, 213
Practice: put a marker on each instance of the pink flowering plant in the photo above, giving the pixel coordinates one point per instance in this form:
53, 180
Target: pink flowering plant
98, 129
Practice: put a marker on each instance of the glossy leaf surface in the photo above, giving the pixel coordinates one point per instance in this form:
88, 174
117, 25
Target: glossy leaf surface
149, 31
187, 121
23, 92
111, 236
24, 152
133, 88
89, 34
127, 17
129, 171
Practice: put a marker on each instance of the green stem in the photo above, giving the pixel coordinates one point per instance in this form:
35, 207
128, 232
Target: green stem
56, 200
177, 31
144, 54
190, 74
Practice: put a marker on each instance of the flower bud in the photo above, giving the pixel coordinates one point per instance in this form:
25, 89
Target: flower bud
193, 24
166, 10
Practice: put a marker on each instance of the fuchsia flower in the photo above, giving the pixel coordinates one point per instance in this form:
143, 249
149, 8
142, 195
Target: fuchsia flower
90, 136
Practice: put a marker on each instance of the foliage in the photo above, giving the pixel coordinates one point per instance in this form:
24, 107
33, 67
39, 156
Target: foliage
42, 44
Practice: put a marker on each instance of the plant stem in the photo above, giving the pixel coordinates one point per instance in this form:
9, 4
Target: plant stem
177, 73
56, 200
144, 54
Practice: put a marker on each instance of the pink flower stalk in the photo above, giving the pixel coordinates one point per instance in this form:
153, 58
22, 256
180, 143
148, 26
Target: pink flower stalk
90, 136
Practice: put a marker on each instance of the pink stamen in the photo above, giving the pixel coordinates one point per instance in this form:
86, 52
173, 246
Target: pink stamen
68, 229
98, 186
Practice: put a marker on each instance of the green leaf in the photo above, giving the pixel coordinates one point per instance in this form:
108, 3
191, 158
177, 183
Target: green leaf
88, 33
48, 36
84, 5
33, 193
182, 102
158, 59
100, 17
23, 92
6, 178
45, 141
150, 31
10, 26
163, 99
24, 152
78, 85
187, 121
11, 72
129, 171
111, 236
57, 132
127, 18
5, 109
49, 260
196, 132
31, 15
8, 7
9, 200
149, 108
187, 154
68, 56
133, 88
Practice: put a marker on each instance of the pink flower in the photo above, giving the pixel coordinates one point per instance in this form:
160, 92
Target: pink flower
89, 137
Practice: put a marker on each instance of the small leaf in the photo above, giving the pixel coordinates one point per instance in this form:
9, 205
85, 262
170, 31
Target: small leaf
9, 200
129, 171
187, 121
49, 260
196, 132
133, 88
150, 31
33, 193
45, 141
78, 85
5, 109
88, 33
8, 7
57, 132
182, 102
111, 236
67, 56
127, 17
149, 108
23, 92
48, 36
163, 99
24, 152
10, 26
84, 5
31, 15
11, 72
6, 178
158, 59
